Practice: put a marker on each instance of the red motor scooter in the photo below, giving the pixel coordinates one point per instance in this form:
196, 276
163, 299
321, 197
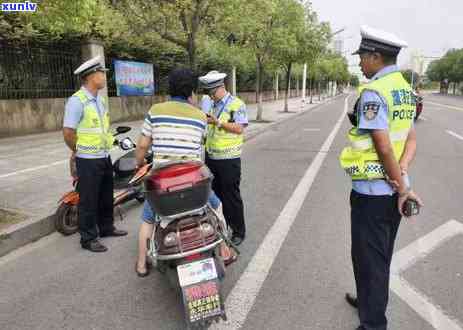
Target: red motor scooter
187, 244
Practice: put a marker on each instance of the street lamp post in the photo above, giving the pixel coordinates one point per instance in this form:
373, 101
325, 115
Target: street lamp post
231, 39
304, 78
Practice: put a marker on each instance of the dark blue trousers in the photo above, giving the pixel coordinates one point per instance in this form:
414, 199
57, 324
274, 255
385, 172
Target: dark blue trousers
95, 187
375, 221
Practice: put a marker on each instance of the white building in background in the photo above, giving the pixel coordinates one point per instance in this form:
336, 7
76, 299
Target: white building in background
418, 62
338, 45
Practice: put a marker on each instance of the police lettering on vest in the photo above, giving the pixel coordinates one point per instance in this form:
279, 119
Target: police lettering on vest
360, 160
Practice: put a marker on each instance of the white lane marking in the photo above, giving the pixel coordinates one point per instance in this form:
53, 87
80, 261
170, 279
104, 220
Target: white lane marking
15, 254
454, 134
311, 129
245, 291
421, 304
445, 106
423, 118
32, 169
409, 255
424, 245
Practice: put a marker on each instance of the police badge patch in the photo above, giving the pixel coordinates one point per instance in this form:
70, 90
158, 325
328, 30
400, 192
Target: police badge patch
370, 110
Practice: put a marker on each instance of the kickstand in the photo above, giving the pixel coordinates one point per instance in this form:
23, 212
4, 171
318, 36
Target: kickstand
118, 209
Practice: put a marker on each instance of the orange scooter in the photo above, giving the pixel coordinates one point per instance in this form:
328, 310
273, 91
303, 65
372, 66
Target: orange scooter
127, 186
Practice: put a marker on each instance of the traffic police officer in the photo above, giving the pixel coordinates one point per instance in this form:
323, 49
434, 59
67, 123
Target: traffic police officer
86, 133
382, 145
227, 120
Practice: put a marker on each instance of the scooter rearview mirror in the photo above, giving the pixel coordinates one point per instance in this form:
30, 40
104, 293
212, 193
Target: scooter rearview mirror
122, 130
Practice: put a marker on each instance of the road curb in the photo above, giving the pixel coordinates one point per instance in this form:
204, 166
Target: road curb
34, 229
24, 233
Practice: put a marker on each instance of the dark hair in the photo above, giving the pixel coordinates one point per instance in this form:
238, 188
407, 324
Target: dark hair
182, 82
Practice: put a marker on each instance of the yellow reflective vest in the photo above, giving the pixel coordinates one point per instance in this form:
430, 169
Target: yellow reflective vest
360, 159
221, 144
93, 134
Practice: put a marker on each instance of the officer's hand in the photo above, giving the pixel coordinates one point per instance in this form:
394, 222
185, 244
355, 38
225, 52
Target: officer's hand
409, 195
211, 119
393, 183
403, 168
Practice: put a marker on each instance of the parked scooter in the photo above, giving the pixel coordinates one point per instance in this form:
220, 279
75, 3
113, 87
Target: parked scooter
419, 105
186, 245
127, 186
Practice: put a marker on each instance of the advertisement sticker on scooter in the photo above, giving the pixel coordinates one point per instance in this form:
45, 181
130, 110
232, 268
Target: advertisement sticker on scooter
200, 290
202, 301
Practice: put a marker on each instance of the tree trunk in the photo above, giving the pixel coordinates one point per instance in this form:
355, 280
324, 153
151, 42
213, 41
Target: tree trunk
276, 86
311, 91
260, 71
288, 86
319, 91
192, 53
454, 88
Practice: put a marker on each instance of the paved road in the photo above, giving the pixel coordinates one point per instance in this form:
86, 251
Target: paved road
34, 169
55, 285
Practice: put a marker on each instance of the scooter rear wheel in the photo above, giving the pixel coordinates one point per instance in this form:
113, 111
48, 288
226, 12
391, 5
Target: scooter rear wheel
66, 221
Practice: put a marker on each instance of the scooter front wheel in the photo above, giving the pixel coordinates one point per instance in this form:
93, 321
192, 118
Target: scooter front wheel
66, 221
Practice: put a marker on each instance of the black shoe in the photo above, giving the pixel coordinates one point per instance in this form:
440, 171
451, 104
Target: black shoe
237, 240
114, 232
351, 300
146, 273
94, 246
360, 328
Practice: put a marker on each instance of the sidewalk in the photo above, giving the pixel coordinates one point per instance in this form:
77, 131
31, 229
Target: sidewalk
34, 173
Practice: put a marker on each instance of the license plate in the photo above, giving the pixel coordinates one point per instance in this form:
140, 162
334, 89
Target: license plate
196, 272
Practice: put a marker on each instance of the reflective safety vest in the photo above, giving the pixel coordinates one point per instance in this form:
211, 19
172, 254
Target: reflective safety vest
360, 159
93, 134
221, 144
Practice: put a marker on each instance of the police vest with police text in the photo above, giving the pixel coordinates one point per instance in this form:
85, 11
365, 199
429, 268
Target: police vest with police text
93, 134
360, 159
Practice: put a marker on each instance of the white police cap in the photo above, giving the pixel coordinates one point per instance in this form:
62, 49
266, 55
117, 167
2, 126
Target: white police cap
90, 66
212, 79
374, 40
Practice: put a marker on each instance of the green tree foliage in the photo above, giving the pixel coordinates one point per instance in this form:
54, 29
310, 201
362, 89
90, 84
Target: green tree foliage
354, 80
279, 33
65, 19
180, 22
268, 35
448, 69
307, 40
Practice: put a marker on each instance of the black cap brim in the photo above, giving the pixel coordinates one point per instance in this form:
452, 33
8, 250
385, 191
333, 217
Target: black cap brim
373, 46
